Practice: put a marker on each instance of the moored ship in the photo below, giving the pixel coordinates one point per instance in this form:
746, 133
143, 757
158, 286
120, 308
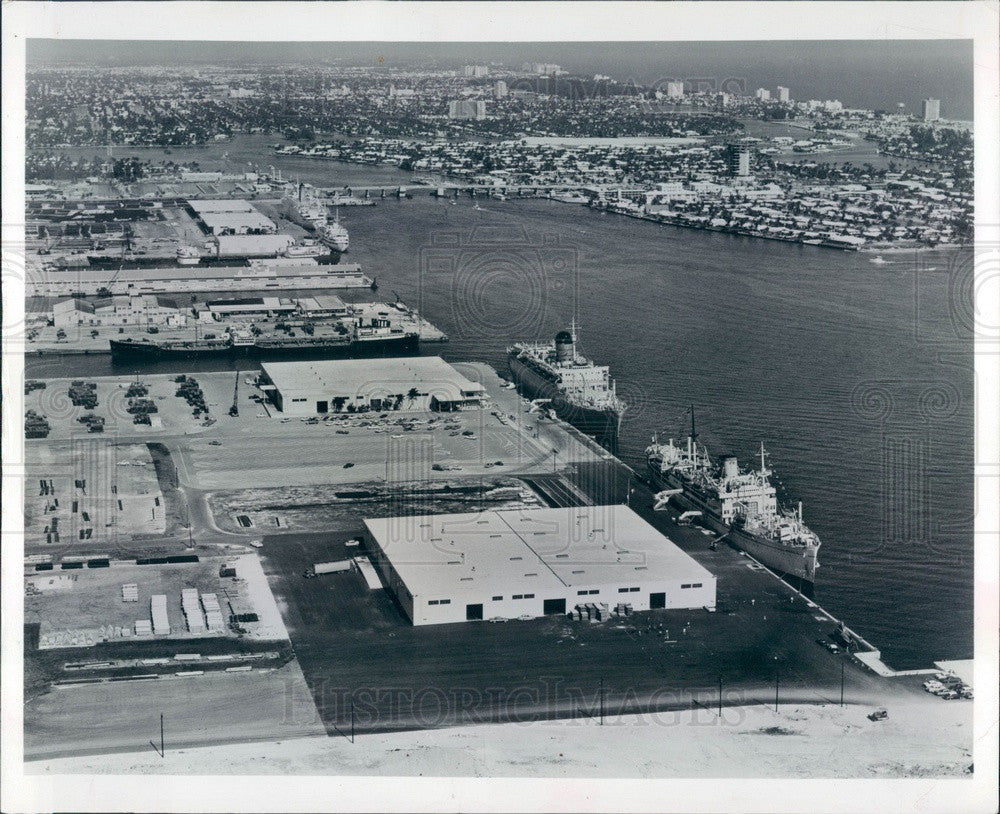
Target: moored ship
360, 342
740, 504
572, 386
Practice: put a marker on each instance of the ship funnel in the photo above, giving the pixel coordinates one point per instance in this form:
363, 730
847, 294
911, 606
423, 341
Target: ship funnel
730, 468
565, 347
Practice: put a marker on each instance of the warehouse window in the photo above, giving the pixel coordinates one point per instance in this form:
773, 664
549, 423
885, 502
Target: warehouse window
696, 585
623, 590
596, 591
686, 585
497, 598
561, 556
432, 602
518, 596
445, 601
581, 593
529, 596
634, 590
512, 559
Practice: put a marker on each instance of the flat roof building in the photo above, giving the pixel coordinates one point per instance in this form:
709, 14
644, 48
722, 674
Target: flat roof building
329, 386
482, 565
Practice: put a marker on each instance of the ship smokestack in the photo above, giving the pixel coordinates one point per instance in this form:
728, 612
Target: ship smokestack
565, 347
730, 468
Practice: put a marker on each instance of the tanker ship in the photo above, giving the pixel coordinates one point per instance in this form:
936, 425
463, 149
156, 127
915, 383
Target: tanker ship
573, 387
739, 504
358, 341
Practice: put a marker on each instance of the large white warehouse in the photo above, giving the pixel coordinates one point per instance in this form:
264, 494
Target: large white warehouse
405, 383
459, 567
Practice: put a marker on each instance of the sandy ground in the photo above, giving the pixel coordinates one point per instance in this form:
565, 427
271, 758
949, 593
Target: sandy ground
919, 739
207, 709
119, 495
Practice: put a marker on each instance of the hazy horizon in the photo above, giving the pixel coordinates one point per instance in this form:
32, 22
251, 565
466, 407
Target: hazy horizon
860, 73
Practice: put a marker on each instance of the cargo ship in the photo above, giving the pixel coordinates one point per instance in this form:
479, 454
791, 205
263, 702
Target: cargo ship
739, 504
570, 385
360, 342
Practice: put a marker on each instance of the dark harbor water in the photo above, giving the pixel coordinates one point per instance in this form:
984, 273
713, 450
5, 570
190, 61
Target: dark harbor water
857, 376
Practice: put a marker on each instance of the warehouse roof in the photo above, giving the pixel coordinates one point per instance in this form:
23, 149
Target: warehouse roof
525, 549
430, 374
203, 207
236, 220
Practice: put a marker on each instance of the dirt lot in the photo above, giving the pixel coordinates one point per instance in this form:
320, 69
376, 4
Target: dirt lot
198, 710
94, 486
311, 508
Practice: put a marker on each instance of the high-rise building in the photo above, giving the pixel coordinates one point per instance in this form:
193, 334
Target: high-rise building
763, 94
722, 101
783, 95
738, 159
477, 71
467, 109
675, 89
500, 89
542, 68
932, 110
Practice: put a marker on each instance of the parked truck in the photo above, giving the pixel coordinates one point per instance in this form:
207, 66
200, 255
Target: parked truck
331, 567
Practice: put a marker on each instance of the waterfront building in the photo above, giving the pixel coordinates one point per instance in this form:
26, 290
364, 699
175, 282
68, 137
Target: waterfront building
477, 71
467, 109
134, 309
348, 385
532, 562
738, 159
931, 110
783, 94
500, 89
763, 94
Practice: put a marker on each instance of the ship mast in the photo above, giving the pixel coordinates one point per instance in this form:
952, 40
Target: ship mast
692, 438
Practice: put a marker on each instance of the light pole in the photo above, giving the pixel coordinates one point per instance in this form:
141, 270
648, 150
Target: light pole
777, 680
841, 681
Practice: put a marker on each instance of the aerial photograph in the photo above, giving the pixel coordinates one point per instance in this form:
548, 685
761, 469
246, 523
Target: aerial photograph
504, 409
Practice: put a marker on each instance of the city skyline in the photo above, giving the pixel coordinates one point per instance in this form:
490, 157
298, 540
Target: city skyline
908, 71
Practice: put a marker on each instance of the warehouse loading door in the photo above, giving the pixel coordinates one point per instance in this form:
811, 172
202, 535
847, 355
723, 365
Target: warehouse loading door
554, 606
473, 612
657, 601
322, 406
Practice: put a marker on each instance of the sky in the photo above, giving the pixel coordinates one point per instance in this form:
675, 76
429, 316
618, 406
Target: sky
860, 73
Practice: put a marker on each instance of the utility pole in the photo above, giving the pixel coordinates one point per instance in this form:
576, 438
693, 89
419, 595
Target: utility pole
602, 700
720, 696
777, 679
352, 720
162, 750
841, 681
